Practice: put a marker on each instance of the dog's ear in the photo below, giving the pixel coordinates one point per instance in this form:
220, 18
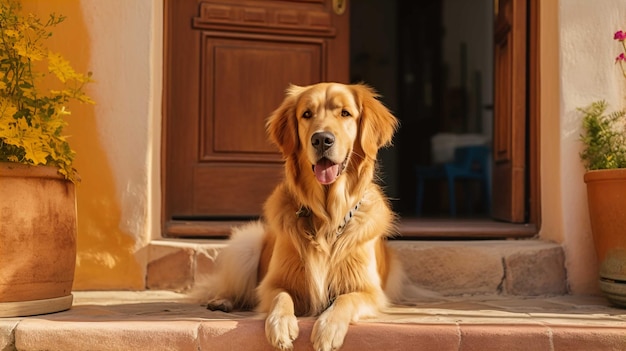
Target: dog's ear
282, 125
377, 125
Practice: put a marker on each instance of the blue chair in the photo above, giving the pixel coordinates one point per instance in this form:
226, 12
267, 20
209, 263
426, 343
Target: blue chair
470, 163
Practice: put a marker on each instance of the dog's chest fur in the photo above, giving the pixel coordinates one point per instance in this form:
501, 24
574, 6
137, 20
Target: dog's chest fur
330, 269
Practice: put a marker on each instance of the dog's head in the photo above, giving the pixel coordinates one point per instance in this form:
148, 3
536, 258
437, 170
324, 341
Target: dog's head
327, 124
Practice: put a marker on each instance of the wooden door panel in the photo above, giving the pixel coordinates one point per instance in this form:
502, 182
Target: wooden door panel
243, 79
228, 63
232, 190
509, 172
311, 17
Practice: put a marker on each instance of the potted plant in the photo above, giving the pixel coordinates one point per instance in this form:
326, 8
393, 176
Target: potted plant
604, 157
37, 199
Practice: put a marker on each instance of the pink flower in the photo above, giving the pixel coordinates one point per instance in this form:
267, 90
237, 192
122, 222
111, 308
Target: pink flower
620, 57
619, 35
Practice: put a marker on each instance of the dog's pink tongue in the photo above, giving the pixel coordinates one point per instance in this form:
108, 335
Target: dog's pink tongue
326, 171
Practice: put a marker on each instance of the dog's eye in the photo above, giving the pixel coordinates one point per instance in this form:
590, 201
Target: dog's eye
345, 113
307, 114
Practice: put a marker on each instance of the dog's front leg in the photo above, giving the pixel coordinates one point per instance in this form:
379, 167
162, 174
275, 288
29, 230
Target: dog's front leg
281, 325
331, 327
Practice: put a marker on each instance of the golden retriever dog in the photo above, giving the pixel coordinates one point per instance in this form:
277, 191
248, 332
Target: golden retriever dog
320, 247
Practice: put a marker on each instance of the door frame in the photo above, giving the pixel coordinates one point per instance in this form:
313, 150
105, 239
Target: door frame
408, 228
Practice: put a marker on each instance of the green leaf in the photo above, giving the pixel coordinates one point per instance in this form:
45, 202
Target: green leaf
604, 138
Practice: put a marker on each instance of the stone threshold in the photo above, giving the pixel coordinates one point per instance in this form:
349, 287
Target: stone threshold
528, 267
164, 320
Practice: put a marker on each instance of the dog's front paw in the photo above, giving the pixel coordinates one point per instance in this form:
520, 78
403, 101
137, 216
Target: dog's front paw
281, 330
328, 332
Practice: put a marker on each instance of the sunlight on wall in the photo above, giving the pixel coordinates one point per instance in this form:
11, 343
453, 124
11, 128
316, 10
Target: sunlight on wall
587, 73
108, 256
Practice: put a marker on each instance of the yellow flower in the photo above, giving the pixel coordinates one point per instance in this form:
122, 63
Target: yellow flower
28, 51
11, 33
7, 110
60, 67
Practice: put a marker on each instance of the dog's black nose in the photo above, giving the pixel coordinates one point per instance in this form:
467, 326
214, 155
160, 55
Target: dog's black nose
322, 141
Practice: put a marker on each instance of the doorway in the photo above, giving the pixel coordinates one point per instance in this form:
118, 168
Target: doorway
432, 62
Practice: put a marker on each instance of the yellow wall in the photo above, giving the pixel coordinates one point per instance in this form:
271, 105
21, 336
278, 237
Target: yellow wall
109, 252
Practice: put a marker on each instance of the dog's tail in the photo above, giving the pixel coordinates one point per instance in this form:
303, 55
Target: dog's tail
233, 284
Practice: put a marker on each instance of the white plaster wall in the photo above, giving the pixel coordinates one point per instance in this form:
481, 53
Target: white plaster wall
587, 73
126, 52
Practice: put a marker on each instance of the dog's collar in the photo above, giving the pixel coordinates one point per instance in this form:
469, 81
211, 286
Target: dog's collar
347, 218
304, 211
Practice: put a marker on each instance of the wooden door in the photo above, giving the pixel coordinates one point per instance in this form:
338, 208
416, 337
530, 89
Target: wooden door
227, 65
509, 144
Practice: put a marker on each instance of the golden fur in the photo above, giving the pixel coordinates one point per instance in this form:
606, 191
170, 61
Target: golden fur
300, 259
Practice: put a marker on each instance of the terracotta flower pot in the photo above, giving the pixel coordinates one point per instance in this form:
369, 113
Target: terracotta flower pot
37, 240
606, 193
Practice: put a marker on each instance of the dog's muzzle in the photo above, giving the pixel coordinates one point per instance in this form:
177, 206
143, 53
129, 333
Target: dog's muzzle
326, 171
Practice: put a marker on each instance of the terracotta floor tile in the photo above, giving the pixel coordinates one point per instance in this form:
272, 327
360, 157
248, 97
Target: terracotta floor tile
507, 337
242, 335
41, 334
403, 337
105, 321
567, 338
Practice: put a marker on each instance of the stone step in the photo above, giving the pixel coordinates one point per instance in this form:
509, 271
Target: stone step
163, 320
508, 267
504, 267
